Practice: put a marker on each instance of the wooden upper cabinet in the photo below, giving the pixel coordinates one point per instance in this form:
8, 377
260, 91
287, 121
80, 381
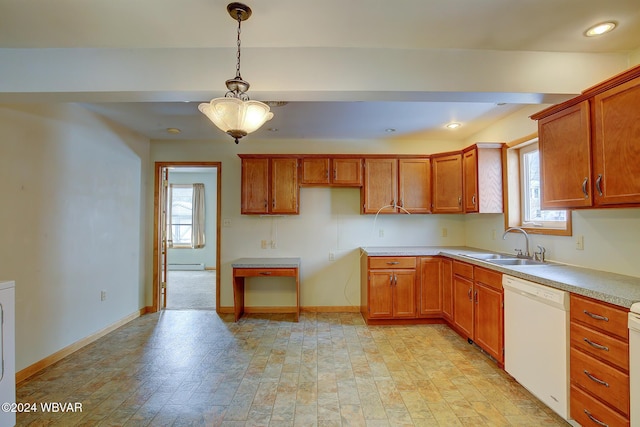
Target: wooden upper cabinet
255, 186
414, 180
315, 171
324, 171
564, 140
616, 145
269, 186
447, 183
380, 191
599, 129
284, 186
482, 178
347, 172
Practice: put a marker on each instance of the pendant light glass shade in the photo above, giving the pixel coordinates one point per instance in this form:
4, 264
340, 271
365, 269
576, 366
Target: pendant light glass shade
235, 116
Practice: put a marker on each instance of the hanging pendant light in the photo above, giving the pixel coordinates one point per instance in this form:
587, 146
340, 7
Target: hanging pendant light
235, 114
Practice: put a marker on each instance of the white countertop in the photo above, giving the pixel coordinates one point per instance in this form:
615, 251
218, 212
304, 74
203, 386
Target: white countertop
613, 288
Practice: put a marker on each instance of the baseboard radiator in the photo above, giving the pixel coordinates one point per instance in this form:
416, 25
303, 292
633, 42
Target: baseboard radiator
175, 267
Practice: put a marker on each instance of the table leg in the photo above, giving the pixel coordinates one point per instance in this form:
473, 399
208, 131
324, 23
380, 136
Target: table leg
238, 297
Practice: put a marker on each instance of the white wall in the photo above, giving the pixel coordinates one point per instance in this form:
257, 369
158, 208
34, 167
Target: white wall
611, 236
72, 192
329, 220
206, 255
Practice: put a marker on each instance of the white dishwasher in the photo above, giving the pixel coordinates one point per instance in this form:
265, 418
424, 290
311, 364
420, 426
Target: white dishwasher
536, 340
634, 363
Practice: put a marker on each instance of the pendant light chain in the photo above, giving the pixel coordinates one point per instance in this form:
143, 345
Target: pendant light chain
238, 55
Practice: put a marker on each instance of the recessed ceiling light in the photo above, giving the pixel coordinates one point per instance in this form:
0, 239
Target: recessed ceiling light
272, 129
453, 125
174, 131
389, 130
601, 28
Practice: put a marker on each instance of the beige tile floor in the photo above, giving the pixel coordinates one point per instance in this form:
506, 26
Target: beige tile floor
183, 368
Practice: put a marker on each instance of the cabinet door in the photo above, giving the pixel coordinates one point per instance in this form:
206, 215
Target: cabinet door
430, 287
447, 184
489, 320
565, 158
404, 293
255, 186
470, 179
446, 275
284, 186
380, 185
380, 294
347, 172
315, 171
617, 145
463, 305
415, 185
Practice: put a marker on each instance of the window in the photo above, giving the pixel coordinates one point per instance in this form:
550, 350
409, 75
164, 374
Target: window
531, 213
523, 204
180, 215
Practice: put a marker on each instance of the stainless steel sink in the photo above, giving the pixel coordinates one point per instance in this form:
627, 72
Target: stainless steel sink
489, 256
517, 261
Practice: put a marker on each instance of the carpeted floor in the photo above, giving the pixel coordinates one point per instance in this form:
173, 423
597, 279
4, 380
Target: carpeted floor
191, 290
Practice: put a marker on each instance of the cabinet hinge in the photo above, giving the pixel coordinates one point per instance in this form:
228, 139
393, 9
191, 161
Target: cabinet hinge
163, 285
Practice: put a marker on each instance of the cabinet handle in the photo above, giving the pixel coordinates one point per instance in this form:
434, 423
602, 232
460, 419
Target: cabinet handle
335, 174
594, 379
401, 203
395, 279
393, 203
473, 200
265, 203
265, 273
599, 184
391, 280
595, 316
476, 296
595, 420
393, 262
273, 203
584, 188
469, 295
596, 345
459, 201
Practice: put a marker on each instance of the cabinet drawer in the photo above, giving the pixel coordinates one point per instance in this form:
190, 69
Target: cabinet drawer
264, 272
601, 346
584, 406
600, 315
488, 277
601, 380
392, 262
463, 269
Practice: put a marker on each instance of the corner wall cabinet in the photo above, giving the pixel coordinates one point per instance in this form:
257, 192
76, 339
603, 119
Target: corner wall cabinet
482, 178
590, 146
270, 186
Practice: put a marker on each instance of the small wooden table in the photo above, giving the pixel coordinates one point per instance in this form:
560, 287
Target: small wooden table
263, 267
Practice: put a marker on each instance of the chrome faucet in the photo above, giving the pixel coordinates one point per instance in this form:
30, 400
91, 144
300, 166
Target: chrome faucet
526, 236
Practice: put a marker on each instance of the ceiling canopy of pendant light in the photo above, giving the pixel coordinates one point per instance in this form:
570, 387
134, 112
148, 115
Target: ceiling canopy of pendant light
234, 113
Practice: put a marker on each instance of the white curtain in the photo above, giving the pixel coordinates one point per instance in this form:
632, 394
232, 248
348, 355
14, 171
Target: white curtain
197, 229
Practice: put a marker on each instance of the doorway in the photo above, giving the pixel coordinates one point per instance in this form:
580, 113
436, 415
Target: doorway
186, 253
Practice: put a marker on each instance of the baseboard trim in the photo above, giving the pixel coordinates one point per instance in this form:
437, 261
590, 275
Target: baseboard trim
61, 354
307, 309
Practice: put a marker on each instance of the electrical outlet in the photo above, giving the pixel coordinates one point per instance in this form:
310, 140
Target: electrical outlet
226, 222
580, 243
332, 256
263, 244
274, 244
103, 295
445, 233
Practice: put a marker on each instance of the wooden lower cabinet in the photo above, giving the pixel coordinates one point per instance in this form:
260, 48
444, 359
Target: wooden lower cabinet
446, 276
388, 288
599, 361
430, 287
478, 312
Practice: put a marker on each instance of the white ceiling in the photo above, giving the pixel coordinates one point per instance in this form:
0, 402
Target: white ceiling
438, 60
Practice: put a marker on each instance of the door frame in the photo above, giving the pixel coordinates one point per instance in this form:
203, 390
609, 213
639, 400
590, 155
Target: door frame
157, 225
